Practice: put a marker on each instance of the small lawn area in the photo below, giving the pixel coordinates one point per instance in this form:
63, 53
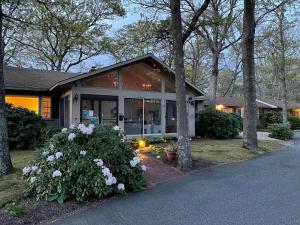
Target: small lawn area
11, 185
227, 151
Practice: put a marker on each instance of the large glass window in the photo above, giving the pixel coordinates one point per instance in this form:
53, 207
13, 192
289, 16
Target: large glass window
109, 80
170, 84
141, 77
171, 118
142, 116
133, 116
46, 107
32, 103
29, 102
152, 116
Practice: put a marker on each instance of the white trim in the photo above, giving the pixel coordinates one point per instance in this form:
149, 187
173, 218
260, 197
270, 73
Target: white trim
270, 105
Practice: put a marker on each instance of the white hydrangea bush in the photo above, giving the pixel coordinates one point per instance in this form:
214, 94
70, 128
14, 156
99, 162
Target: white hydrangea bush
83, 162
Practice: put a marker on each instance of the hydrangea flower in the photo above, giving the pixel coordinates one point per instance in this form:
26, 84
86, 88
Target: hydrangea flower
144, 168
72, 126
64, 130
50, 158
82, 152
121, 187
56, 173
51, 146
44, 153
26, 170
106, 171
86, 130
110, 180
32, 180
136, 160
99, 162
58, 155
71, 136
34, 168
116, 128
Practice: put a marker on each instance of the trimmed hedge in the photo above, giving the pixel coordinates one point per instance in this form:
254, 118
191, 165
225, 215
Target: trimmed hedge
217, 124
280, 132
294, 122
24, 128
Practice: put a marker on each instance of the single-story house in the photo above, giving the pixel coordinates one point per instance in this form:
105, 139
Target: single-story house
138, 95
236, 105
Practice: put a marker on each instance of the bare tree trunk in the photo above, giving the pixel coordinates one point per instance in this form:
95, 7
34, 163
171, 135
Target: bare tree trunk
5, 161
250, 118
282, 68
184, 153
213, 81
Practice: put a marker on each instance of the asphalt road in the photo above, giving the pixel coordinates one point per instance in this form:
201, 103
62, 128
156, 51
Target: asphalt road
257, 192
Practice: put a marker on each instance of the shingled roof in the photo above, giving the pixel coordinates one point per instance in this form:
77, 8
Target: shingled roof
16, 78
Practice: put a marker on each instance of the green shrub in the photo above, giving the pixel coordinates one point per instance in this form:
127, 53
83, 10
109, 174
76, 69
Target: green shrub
217, 124
270, 118
48, 132
84, 162
15, 208
294, 121
24, 128
280, 132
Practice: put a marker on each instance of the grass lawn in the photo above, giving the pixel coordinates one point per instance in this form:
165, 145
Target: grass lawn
227, 151
11, 185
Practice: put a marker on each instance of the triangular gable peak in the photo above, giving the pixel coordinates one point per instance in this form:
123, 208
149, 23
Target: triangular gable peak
145, 73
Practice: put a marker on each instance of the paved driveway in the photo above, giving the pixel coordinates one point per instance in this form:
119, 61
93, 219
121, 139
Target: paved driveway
257, 192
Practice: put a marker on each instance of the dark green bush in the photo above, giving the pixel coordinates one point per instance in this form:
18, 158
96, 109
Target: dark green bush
294, 122
48, 132
280, 132
24, 128
85, 162
270, 118
217, 124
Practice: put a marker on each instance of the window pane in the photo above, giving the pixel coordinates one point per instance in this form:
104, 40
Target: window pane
109, 112
169, 84
152, 117
141, 77
109, 80
67, 111
46, 107
133, 116
171, 118
29, 102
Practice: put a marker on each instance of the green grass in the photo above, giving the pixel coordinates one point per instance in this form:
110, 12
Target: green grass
12, 184
228, 151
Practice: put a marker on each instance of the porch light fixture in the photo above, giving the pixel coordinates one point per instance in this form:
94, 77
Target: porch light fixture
76, 97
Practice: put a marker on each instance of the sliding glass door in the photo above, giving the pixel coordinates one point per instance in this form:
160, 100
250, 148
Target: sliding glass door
142, 116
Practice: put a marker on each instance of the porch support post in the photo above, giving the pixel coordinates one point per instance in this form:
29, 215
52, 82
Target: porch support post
163, 116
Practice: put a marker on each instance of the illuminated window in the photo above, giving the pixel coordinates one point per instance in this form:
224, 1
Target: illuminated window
109, 80
141, 77
29, 102
46, 108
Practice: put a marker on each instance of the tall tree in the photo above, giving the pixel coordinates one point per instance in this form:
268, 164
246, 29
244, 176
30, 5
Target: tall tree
65, 33
5, 161
179, 37
250, 108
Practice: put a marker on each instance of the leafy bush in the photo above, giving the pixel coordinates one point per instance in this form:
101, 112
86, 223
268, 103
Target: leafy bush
84, 162
24, 128
48, 132
280, 132
294, 121
15, 208
270, 118
217, 124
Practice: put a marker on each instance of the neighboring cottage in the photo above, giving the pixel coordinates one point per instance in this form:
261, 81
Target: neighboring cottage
236, 105
138, 95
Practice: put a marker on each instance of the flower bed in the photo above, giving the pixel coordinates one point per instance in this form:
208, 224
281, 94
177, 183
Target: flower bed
84, 162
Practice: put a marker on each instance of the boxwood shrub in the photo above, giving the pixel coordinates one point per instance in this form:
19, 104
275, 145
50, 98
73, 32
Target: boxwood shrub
294, 122
281, 132
217, 124
24, 128
84, 162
